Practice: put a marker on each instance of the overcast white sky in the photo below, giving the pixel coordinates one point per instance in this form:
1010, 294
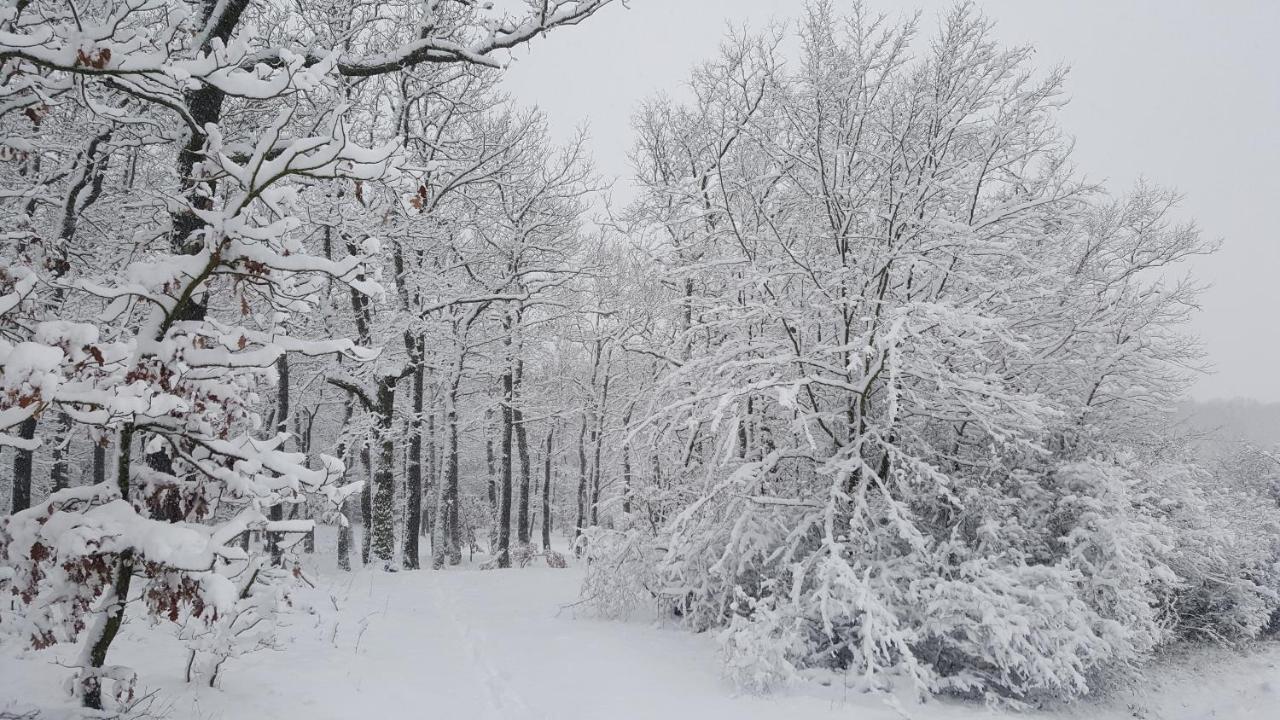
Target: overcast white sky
1184, 92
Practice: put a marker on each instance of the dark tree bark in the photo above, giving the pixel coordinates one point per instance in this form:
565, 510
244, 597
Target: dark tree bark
595, 477
546, 493
344, 530
122, 574
508, 420
60, 474
446, 537
491, 467
304, 440
493, 472
430, 482
626, 463
413, 471
366, 505
276, 512
580, 523
362, 314
597, 438
99, 463
23, 461
204, 106
452, 497
344, 538
522, 445
522, 514
383, 511
344, 448
377, 501
121, 579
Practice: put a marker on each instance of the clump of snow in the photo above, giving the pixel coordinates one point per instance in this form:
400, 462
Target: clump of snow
30, 364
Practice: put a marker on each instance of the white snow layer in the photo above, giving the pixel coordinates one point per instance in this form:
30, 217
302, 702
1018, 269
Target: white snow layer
510, 645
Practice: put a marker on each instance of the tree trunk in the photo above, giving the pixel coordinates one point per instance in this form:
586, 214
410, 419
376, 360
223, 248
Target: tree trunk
580, 523
431, 475
282, 425
99, 463
344, 536
446, 536
366, 504
522, 445
597, 437
23, 461
384, 534
413, 479
59, 474
363, 319
522, 514
656, 517
546, 493
104, 631
344, 528
504, 505
111, 615
493, 485
304, 436
453, 499
626, 463
439, 524
595, 478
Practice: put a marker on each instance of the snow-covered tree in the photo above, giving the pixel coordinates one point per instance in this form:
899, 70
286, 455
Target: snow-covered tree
230, 116
915, 368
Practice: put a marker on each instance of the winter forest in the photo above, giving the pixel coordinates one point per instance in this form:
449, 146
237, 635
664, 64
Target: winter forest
334, 382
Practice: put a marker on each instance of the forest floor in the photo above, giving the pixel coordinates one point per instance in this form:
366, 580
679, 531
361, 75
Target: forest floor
511, 644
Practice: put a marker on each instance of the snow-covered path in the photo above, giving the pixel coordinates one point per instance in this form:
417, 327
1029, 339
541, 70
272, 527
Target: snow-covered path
489, 645
502, 644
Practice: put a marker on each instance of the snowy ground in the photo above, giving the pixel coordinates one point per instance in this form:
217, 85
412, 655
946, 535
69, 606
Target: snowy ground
505, 644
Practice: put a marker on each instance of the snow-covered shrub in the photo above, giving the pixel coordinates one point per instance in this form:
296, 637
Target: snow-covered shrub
1079, 589
1054, 578
1227, 595
619, 577
760, 645
246, 626
1106, 518
61, 555
1227, 549
65, 559
521, 555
